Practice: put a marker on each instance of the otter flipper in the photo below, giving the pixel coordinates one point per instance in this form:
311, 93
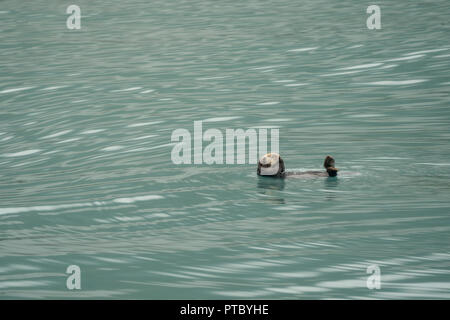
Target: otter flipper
329, 166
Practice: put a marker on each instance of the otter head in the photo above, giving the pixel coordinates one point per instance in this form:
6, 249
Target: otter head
329, 166
270, 164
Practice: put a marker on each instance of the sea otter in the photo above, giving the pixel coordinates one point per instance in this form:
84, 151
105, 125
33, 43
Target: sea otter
272, 165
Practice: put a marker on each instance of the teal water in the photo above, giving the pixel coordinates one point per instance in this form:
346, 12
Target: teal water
86, 176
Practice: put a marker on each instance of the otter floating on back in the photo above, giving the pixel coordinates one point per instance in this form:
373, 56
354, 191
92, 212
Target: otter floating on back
272, 165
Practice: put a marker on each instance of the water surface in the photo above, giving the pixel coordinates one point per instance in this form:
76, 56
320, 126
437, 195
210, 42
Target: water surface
86, 179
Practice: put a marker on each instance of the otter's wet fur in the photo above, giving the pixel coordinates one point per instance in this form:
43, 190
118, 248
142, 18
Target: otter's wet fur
328, 164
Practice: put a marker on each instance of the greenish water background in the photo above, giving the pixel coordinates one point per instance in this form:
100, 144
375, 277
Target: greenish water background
86, 177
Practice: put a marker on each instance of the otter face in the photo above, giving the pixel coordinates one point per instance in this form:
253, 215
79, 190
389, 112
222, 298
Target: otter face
270, 164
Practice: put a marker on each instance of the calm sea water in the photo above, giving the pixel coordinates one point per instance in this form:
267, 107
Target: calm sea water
86, 176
